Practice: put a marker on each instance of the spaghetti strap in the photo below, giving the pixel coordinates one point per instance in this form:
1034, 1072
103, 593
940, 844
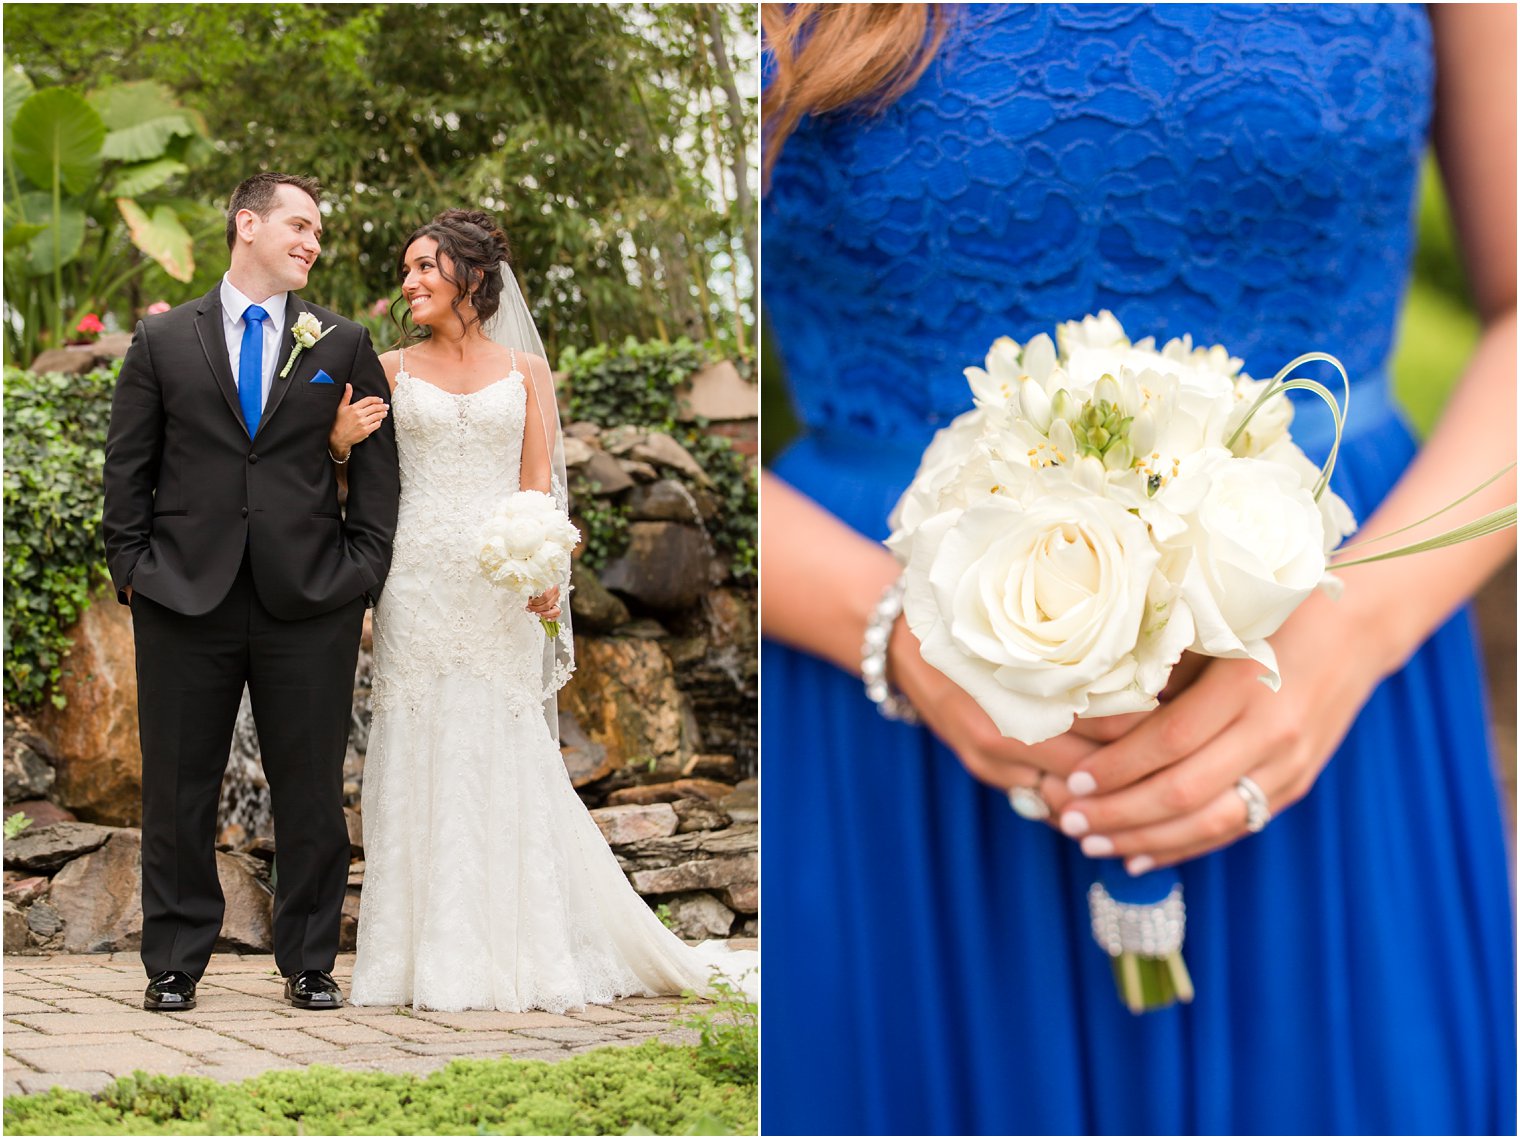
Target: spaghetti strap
400, 360
514, 358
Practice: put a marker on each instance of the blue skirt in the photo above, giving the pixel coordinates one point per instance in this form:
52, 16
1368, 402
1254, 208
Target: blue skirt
929, 965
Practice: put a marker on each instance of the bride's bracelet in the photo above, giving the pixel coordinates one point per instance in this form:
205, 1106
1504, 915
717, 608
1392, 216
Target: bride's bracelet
873, 657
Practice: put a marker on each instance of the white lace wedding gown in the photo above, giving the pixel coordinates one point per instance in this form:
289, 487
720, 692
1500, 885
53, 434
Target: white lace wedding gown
487, 885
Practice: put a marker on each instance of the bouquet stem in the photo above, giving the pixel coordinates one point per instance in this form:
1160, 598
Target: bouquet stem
1150, 983
1140, 923
551, 628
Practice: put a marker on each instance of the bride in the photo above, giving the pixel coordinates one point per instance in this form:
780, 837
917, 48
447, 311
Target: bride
487, 884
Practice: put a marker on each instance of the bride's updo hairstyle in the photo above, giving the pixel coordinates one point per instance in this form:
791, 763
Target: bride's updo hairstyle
470, 247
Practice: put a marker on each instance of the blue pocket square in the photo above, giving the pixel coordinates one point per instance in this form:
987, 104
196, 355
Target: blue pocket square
321, 377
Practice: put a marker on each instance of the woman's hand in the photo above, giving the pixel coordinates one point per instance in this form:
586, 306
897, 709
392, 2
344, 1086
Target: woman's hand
546, 605
1165, 792
969, 732
355, 422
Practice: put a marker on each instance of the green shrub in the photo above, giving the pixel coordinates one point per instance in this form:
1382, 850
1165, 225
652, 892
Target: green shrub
652, 1088
55, 430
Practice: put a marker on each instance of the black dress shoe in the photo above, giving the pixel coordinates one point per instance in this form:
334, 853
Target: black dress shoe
170, 992
313, 989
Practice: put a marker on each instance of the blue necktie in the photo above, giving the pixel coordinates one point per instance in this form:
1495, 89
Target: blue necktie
251, 367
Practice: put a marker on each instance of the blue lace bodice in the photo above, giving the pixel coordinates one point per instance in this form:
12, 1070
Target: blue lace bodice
1244, 173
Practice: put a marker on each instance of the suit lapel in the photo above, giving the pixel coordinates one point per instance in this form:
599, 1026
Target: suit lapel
208, 327
277, 386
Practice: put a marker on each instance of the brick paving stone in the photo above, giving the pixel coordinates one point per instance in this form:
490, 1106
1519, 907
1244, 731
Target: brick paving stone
470, 1045
228, 1019
407, 1026
122, 1058
65, 1040
284, 1041
188, 1038
86, 1006
240, 1069
601, 1014
506, 1021
13, 1086
215, 1001
341, 1032
571, 1035
69, 1022
16, 1004
88, 1082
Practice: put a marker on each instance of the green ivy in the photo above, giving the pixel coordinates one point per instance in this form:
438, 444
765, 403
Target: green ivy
635, 383
55, 430
630, 383
604, 525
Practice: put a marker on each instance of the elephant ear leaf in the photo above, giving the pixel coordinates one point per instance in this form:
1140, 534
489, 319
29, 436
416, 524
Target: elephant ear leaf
18, 88
56, 133
143, 119
162, 237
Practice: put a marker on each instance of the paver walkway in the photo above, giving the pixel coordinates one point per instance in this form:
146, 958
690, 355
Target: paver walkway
78, 1022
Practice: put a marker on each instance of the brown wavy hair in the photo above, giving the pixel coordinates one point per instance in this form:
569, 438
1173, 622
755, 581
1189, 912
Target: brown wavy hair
474, 242
830, 56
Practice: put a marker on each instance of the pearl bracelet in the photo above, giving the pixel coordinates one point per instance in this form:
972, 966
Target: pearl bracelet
335, 458
873, 657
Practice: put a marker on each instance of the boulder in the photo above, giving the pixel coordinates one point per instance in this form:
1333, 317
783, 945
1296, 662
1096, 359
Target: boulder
604, 475
24, 891
16, 940
355, 832
586, 760
663, 451
348, 923
624, 695
743, 806
77, 359
742, 897
699, 916
43, 850
94, 736
595, 609
578, 452
42, 812
717, 392
721, 767
707, 790
667, 500
639, 472
699, 815
581, 429
628, 824
99, 899
28, 772
704, 874
43, 920
666, 565
621, 439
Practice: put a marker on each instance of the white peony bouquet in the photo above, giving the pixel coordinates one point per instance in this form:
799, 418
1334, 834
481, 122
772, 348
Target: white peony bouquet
525, 546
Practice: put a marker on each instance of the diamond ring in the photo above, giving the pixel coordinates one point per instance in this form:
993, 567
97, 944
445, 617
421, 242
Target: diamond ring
1258, 813
1028, 803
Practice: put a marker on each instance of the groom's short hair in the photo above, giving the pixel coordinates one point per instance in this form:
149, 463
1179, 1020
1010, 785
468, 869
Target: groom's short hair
257, 194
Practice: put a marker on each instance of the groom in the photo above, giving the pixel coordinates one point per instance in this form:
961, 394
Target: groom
223, 534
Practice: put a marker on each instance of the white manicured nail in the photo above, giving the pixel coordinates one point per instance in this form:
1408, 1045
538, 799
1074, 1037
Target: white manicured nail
1081, 783
1096, 846
1074, 823
1139, 864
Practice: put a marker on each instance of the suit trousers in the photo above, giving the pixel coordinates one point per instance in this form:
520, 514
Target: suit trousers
191, 672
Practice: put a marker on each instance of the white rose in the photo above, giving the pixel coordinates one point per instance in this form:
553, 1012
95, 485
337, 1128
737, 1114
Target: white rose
523, 535
1257, 551
1033, 608
1336, 515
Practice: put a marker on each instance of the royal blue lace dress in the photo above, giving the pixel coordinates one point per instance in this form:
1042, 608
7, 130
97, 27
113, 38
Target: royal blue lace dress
1248, 175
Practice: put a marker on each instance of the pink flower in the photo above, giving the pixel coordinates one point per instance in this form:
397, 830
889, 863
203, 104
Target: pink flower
157, 307
380, 307
90, 325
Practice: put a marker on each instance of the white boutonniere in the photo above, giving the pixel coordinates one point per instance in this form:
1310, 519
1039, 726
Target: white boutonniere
307, 331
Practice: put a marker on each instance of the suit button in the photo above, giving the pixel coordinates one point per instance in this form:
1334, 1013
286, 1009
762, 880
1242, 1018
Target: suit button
245, 512
253, 458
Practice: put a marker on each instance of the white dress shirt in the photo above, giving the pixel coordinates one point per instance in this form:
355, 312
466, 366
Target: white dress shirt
234, 304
